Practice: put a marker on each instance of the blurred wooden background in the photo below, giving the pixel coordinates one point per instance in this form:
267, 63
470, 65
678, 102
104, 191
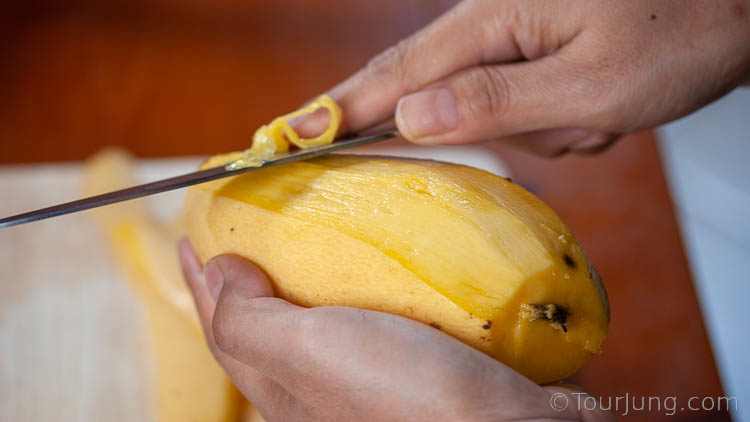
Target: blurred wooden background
178, 77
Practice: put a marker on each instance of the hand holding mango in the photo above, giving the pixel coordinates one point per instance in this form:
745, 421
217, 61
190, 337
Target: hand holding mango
462, 250
360, 240
347, 364
347, 244
552, 76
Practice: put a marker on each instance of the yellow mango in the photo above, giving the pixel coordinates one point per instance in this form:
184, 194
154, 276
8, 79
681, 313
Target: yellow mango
277, 136
188, 384
460, 249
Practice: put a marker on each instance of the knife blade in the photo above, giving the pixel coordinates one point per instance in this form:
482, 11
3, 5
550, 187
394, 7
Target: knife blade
189, 179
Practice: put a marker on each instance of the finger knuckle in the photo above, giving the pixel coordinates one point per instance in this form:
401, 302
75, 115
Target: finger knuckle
583, 82
487, 93
604, 84
394, 64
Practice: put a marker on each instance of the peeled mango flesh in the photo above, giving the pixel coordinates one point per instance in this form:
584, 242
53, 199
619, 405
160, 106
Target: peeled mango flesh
187, 384
460, 249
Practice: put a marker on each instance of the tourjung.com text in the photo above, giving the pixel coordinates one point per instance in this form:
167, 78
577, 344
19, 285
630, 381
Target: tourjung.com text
628, 404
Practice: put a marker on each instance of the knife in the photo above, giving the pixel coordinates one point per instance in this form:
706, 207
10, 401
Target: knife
189, 179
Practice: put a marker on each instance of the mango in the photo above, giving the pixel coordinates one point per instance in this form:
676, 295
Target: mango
457, 248
187, 383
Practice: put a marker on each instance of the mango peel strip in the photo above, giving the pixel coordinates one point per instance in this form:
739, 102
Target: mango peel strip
277, 136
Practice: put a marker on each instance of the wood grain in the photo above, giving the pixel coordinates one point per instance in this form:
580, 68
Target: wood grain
165, 77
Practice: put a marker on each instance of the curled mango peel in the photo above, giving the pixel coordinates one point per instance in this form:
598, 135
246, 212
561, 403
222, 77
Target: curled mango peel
281, 133
277, 136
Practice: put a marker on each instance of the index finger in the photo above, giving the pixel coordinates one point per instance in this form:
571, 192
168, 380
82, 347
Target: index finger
265, 393
193, 273
459, 39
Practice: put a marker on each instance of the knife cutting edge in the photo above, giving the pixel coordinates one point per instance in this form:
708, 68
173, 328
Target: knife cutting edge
189, 179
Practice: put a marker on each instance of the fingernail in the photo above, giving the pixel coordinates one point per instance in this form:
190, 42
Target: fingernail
426, 114
312, 124
214, 279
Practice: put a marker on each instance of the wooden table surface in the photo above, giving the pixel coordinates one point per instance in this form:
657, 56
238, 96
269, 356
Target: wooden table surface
165, 78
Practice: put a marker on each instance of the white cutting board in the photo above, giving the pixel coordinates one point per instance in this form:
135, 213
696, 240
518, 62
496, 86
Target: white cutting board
71, 333
72, 343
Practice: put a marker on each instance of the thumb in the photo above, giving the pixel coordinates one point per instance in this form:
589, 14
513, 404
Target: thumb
249, 324
490, 102
206, 284
233, 274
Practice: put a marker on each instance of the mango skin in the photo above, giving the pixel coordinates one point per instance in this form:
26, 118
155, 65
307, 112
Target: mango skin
327, 259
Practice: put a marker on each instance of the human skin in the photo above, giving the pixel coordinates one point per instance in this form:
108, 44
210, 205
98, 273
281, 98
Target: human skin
347, 364
549, 76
